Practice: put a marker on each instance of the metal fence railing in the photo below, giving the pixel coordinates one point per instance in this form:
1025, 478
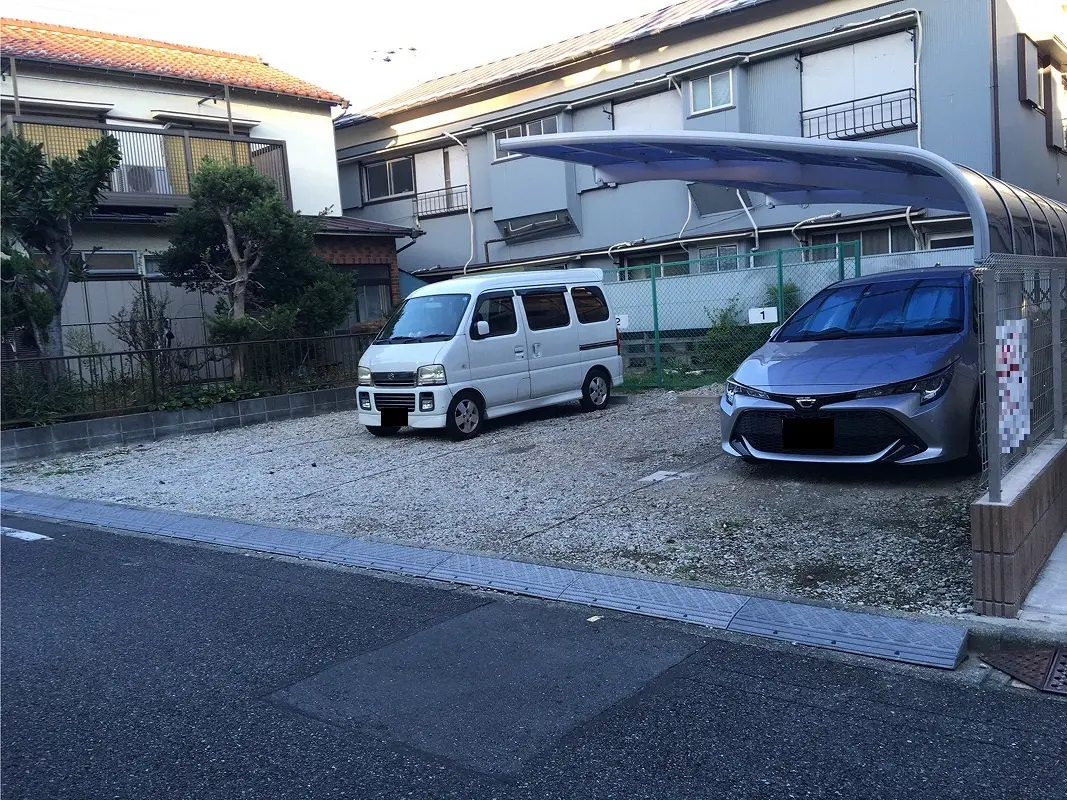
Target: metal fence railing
865, 116
691, 323
441, 201
1023, 324
46, 390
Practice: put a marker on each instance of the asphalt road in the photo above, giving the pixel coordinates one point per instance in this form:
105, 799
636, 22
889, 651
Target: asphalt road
139, 668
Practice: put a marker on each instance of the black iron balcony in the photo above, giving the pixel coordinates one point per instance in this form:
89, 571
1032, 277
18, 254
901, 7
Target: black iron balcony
438, 202
157, 165
865, 116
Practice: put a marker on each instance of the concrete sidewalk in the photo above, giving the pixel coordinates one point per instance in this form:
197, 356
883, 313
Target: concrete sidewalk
1047, 601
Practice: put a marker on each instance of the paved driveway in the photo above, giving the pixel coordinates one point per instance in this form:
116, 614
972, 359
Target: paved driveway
640, 487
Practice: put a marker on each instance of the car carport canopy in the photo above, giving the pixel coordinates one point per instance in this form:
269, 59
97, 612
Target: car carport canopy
793, 171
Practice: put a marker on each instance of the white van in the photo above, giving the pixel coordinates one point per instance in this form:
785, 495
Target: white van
456, 353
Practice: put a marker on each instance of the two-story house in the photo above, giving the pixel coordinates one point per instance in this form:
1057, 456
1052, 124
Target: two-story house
169, 106
981, 82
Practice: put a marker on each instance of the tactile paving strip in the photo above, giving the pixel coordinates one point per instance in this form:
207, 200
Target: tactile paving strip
866, 634
689, 604
504, 575
885, 637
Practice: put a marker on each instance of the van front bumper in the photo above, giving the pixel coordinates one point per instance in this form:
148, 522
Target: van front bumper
370, 400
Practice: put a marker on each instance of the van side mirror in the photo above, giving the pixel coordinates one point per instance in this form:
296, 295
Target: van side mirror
482, 327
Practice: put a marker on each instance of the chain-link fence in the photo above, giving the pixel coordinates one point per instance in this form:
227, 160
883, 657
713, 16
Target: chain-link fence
1022, 311
690, 323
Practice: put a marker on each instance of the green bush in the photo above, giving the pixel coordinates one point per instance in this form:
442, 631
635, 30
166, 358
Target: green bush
729, 341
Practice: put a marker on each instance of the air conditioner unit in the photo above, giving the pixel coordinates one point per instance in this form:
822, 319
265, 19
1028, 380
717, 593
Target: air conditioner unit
140, 179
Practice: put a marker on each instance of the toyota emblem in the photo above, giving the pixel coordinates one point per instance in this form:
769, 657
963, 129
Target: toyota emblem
805, 402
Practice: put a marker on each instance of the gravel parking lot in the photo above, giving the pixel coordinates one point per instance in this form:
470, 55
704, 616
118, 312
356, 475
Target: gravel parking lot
640, 487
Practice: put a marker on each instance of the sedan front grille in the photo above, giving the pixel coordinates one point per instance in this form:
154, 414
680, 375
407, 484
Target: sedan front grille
394, 401
857, 432
393, 378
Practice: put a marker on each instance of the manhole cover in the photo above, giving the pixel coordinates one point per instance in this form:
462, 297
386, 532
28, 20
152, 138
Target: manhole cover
1044, 669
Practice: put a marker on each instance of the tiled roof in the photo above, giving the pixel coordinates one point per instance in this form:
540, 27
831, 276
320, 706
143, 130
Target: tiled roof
549, 57
56, 44
366, 227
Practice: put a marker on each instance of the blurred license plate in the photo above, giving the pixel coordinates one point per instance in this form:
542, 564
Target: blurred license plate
394, 417
808, 434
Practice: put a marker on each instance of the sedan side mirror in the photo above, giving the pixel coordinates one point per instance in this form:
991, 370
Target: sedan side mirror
482, 327
774, 332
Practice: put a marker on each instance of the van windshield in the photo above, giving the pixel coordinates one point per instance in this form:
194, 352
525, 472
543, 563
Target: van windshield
429, 318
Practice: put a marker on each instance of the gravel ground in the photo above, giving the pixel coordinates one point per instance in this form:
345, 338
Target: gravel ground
562, 486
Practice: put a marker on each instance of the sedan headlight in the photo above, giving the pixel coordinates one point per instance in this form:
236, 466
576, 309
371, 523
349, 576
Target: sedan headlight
929, 388
431, 375
733, 388
363, 374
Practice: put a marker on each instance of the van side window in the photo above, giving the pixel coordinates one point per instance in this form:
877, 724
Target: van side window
546, 310
499, 312
589, 304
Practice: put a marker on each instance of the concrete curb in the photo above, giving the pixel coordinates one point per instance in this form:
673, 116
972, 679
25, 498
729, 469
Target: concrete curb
711, 400
30, 444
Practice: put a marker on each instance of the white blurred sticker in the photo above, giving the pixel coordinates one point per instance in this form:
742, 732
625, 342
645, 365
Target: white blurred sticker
1013, 383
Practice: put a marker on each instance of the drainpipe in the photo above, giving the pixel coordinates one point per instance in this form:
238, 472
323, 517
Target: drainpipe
835, 215
748, 213
994, 75
489, 242
15, 85
470, 202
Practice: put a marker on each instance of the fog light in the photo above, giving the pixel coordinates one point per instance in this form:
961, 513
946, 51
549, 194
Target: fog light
364, 401
426, 401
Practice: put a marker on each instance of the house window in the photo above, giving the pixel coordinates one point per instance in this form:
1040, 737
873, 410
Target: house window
862, 89
109, 262
393, 178
942, 241
719, 258
711, 93
668, 264
533, 128
373, 298
873, 242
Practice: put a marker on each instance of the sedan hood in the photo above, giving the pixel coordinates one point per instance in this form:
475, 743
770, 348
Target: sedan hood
845, 365
401, 357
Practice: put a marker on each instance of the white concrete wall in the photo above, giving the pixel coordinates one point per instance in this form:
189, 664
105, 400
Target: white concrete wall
305, 127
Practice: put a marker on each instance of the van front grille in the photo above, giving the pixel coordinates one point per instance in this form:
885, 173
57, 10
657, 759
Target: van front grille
393, 378
394, 401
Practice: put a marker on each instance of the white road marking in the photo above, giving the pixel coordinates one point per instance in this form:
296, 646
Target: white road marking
26, 536
665, 475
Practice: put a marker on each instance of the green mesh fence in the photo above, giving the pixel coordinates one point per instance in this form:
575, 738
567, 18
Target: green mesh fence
691, 323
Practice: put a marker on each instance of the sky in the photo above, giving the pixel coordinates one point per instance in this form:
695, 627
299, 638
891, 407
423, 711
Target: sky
341, 46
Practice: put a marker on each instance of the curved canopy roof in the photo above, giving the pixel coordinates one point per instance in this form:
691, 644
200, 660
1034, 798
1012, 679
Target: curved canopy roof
792, 171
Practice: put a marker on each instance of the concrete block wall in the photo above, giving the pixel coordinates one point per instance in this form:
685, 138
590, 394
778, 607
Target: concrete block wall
28, 444
1011, 540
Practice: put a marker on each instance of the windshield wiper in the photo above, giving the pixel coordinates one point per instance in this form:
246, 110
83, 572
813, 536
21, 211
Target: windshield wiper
398, 339
826, 333
432, 336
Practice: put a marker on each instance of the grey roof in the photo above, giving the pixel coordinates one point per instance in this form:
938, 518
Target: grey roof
550, 56
364, 227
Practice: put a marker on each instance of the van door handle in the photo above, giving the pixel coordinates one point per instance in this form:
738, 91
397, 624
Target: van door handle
520, 353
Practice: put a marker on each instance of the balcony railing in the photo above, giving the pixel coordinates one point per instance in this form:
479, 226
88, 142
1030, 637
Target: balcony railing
157, 166
452, 200
865, 116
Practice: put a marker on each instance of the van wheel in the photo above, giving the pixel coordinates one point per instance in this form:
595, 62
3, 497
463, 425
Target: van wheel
381, 430
465, 415
596, 390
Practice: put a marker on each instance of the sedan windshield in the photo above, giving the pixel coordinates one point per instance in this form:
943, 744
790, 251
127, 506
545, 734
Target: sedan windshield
430, 318
908, 307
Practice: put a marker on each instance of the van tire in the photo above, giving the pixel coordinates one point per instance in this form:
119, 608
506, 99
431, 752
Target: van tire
466, 416
382, 430
596, 391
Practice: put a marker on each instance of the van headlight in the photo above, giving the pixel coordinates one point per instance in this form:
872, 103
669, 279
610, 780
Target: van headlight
733, 388
929, 388
364, 377
431, 375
